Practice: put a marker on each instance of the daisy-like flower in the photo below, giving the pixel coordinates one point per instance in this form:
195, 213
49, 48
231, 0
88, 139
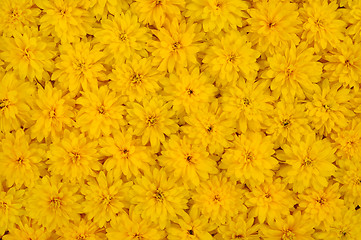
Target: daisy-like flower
79, 66
74, 157
191, 226
14, 108
177, 45
240, 227
292, 226
250, 159
16, 15
249, 102
187, 161
155, 12
122, 36
210, 127
65, 19
28, 53
349, 176
188, 89
329, 108
322, 26
105, 198
21, 158
11, 208
53, 203
101, 112
133, 227
293, 71
219, 199
352, 17
27, 228
273, 24
217, 15
125, 154
81, 229
136, 78
309, 163
52, 112
344, 64
269, 201
152, 120
231, 57
159, 198
321, 207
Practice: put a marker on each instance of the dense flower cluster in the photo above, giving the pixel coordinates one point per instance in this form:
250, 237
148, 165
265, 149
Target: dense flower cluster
180, 119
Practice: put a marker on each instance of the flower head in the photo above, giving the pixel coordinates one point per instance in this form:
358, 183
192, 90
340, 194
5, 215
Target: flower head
240, 227
349, 176
27, 228
81, 229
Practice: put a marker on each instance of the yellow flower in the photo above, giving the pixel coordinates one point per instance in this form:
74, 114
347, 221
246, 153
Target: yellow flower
158, 197
349, 176
73, 157
186, 161
217, 15
21, 158
105, 198
293, 71
269, 201
101, 112
52, 112
177, 45
352, 17
240, 227
231, 57
53, 203
152, 120
250, 159
79, 66
100, 9
219, 199
322, 26
65, 19
81, 229
26, 229
28, 53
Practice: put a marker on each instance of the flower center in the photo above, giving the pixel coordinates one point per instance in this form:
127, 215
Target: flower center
3, 205
63, 12
52, 113
210, 128
20, 160
176, 46
249, 157
217, 198
321, 201
327, 107
347, 63
238, 236
307, 161
81, 237
137, 236
123, 36
289, 73
26, 53
285, 123
267, 195
101, 109
319, 23
271, 24
288, 235
106, 199
246, 101
136, 78
343, 234
151, 120
231, 58
158, 2
158, 195
190, 91
190, 232
55, 202
4, 103
75, 157
14, 13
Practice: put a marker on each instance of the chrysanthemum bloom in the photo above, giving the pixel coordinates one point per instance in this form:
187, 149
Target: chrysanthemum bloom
74, 157
79, 66
65, 19
309, 163
158, 197
14, 102
122, 36
288, 123
187, 161
125, 154
292, 226
133, 226
53, 203
101, 112
329, 108
249, 102
349, 176
20, 159
250, 159
105, 198
273, 24
217, 15
293, 71
28, 53
322, 28
177, 45
231, 57
352, 17
16, 14
52, 112
219, 199
240, 227
321, 207
27, 228
270, 200
81, 229
191, 226
136, 78
11, 203
210, 127
188, 89
155, 12
344, 64
152, 120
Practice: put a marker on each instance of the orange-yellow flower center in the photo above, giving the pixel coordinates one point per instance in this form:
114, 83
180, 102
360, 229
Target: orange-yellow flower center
136, 78
55, 202
75, 157
151, 120
4, 103
285, 123
288, 235
158, 195
3, 205
176, 46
